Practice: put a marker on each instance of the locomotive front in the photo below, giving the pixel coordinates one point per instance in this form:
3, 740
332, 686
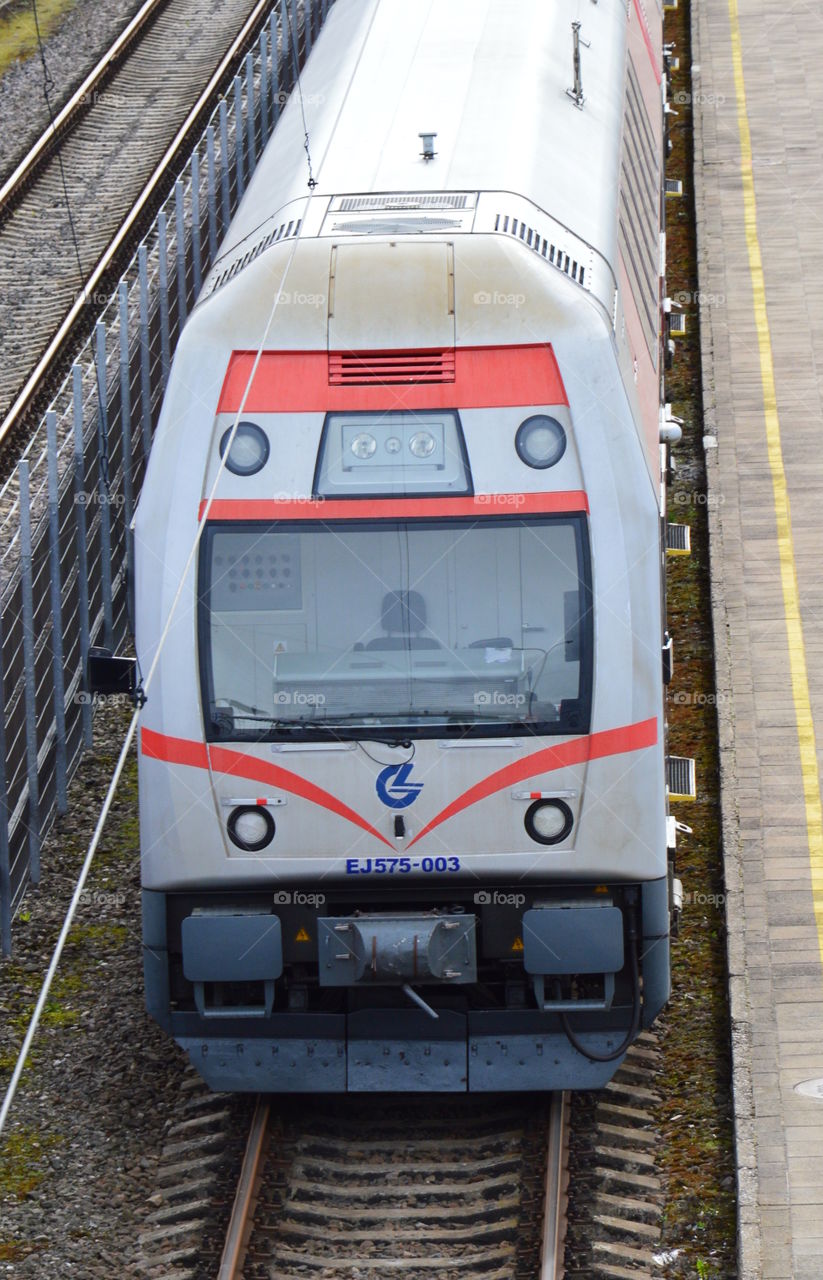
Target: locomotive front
403, 819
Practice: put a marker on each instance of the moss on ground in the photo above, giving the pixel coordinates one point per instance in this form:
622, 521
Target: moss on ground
697, 1154
23, 1164
18, 35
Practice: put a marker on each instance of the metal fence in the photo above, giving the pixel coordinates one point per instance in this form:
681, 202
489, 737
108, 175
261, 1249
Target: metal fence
66, 552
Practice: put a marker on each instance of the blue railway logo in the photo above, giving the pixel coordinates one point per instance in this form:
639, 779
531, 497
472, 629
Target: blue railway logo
400, 793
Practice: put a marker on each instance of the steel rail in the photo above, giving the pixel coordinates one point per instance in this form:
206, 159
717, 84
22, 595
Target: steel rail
78, 99
32, 385
551, 1262
237, 1236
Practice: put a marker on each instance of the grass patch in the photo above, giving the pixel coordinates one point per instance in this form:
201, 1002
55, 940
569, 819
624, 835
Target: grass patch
23, 1164
697, 1152
18, 35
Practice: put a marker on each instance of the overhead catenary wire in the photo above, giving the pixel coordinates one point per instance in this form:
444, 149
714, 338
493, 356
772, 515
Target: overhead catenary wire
28, 1040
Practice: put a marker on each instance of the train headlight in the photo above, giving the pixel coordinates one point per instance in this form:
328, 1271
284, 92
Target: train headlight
422, 444
549, 821
363, 445
540, 441
251, 828
249, 450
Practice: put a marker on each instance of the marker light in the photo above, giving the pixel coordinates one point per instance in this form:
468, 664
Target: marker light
548, 821
249, 450
363, 445
251, 827
540, 441
422, 444
392, 451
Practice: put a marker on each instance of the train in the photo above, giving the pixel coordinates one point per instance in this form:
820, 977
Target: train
400, 572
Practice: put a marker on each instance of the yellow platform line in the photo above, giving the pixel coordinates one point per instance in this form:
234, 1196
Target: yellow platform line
785, 544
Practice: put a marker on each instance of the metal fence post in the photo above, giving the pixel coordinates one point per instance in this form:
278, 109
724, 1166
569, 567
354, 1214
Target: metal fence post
29, 681
211, 180
145, 367
195, 220
264, 88
225, 202
80, 497
128, 457
180, 224
251, 112
238, 137
163, 281
5, 869
56, 597
275, 70
103, 483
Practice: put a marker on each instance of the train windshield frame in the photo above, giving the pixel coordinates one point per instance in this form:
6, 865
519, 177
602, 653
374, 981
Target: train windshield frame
395, 628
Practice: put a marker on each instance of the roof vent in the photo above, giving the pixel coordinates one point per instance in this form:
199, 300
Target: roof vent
404, 200
359, 368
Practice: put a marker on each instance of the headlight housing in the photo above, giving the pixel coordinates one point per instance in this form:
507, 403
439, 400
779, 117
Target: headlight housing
540, 441
249, 450
251, 827
549, 821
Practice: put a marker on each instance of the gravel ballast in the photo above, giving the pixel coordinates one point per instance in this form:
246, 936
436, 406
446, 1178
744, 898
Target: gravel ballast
82, 1151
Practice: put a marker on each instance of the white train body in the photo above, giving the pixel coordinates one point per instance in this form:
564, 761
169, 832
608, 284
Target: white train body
432, 668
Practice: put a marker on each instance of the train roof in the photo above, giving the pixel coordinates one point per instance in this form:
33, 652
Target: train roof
488, 77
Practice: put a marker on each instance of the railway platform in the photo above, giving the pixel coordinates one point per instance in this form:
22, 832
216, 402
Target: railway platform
758, 105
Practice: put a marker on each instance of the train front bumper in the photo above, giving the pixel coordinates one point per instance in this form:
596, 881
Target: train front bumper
360, 1031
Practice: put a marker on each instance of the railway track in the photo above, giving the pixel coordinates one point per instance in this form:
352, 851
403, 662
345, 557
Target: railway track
76, 104
118, 145
415, 1189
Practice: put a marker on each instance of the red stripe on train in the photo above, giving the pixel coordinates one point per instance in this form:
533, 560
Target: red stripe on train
595, 746
484, 378
480, 506
159, 746
609, 742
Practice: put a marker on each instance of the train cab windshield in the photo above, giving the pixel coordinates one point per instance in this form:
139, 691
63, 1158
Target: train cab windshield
389, 628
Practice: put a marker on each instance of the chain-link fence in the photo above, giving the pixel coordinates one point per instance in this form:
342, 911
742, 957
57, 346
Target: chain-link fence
66, 552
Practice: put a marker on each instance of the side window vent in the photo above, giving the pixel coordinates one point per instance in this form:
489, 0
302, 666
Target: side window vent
286, 231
